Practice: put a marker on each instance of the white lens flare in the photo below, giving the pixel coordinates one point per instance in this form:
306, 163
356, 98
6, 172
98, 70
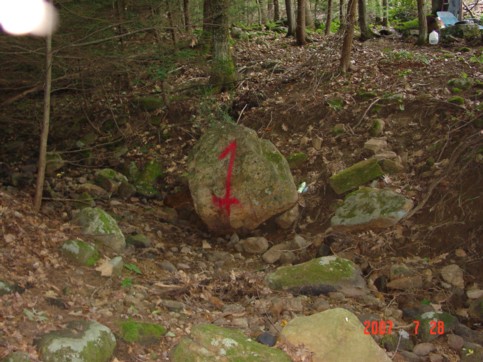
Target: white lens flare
20, 17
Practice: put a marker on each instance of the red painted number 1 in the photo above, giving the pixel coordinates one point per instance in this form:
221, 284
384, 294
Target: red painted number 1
227, 201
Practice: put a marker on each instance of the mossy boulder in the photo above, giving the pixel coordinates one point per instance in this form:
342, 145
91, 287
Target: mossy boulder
109, 179
261, 185
100, 226
140, 332
146, 181
80, 341
54, 162
468, 32
208, 343
430, 321
80, 252
369, 208
297, 159
355, 176
319, 276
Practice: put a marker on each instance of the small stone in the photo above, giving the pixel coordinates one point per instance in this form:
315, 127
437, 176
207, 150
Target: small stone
287, 219
185, 250
254, 245
299, 242
406, 283
168, 266
287, 257
375, 144
267, 339
138, 240
455, 342
205, 244
423, 349
274, 254
172, 305
392, 166
474, 293
183, 266
436, 357
385, 155
453, 274
476, 309
460, 253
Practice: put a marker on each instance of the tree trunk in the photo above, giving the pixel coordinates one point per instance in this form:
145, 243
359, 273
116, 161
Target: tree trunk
186, 13
276, 10
300, 31
328, 21
342, 16
223, 72
309, 21
171, 23
290, 17
315, 9
385, 13
39, 188
348, 36
366, 32
262, 10
423, 26
206, 39
270, 10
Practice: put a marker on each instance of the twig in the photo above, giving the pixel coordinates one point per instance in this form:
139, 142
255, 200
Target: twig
241, 113
365, 113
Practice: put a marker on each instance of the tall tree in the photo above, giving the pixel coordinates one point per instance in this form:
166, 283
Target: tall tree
262, 11
423, 26
342, 16
328, 21
345, 57
223, 72
385, 13
309, 20
207, 34
276, 10
366, 32
270, 9
290, 17
300, 31
186, 13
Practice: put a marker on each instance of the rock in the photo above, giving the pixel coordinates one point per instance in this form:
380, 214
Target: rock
288, 218
476, 309
139, 332
208, 343
375, 144
299, 242
84, 200
474, 293
236, 32
81, 341
377, 128
54, 162
138, 241
109, 179
168, 266
254, 245
392, 166
322, 335
267, 339
385, 155
406, 283
94, 191
172, 305
423, 349
453, 275
319, 276
455, 342
434, 324
261, 183
356, 175
469, 32
80, 252
297, 159
145, 183
16, 357
397, 341
274, 254
99, 225
369, 208
126, 190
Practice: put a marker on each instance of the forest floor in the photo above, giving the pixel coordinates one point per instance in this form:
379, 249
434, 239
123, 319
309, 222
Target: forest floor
294, 97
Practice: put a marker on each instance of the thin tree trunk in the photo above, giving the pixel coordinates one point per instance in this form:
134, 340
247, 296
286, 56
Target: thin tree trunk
385, 12
186, 13
276, 10
300, 31
366, 32
315, 9
290, 17
423, 26
44, 137
348, 37
309, 21
270, 10
262, 11
171, 23
207, 35
342, 16
328, 21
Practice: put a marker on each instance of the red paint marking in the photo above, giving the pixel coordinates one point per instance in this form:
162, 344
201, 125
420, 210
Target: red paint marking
227, 201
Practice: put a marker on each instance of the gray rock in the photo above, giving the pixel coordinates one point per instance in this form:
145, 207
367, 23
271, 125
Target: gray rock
95, 191
288, 218
81, 341
369, 208
80, 252
474, 293
476, 309
138, 240
319, 276
168, 266
254, 245
392, 166
208, 343
321, 334
109, 179
261, 182
299, 242
429, 322
406, 283
141, 332
385, 155
54, 162
453, 275
99, 225
274, 254
375, 144
455, 342
147, 179
423, 349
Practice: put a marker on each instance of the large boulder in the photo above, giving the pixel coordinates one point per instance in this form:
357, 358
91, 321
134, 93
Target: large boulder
237, 180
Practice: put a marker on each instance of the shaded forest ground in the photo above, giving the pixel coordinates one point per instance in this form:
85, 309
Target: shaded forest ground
290, 95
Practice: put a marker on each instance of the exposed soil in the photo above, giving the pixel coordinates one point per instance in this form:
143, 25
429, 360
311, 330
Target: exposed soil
292, 96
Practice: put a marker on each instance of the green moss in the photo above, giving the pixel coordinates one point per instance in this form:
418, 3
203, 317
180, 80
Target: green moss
457, 100
140, 332
338, 129
297, 159
146, 181
81, 252
367, 94
356, 175
460, 83
377, 127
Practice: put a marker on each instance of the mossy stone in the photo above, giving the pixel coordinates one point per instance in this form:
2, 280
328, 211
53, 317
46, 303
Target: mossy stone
80, 252
297, 159
356, 175
377, 127
146, 181
430, 321
457, 100
54, 162
140, 332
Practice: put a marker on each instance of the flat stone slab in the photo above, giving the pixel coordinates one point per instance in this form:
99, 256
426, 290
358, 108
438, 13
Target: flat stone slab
356, 175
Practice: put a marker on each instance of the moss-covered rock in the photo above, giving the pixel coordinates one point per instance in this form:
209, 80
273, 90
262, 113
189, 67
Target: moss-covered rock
319, 276
80, 252
430, 321
16, 357
140, 332
469, 32
456, 100
54, 162
147, 179
138, 240
109, 179
369, 208
81, 341
297, 159
99, 225
209, 343
355, 176
84, 200
377, 128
